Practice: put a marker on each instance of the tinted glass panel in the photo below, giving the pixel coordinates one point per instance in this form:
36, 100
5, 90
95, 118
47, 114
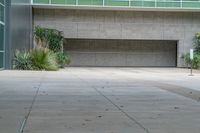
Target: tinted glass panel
125, 3
69, 2
1, 13
41, 1
1, 37
1, 59
116, 3
90, 2
2, 1
168, 4
191, 4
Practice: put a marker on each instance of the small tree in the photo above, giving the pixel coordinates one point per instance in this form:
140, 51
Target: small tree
197, 43
196, 61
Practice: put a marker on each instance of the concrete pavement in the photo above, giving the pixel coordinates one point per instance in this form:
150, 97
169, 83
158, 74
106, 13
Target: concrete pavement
100, 100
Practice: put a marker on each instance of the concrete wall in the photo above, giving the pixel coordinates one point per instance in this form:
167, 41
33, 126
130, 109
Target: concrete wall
19, 28
84, 52
179, 26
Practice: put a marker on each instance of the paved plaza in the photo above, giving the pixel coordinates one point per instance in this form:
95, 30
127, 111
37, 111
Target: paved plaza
100, 100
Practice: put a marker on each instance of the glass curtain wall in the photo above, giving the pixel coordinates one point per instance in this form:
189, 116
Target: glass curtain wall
2, 34
127, 3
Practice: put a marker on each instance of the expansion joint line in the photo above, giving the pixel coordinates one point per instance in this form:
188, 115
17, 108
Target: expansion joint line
122, 111
131, 118
23, 124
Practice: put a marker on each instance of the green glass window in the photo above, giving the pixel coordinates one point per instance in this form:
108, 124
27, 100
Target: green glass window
69, 2
149, 4
124, 3
2, 1
116, 3
168, 4
2, 13
58, 1
90, 2
191, 4
1, 37
136, 3
1, 60
41, 1
2, 33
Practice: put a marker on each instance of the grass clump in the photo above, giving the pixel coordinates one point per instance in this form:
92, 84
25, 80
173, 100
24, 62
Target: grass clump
43, 59
36, 59
22, 60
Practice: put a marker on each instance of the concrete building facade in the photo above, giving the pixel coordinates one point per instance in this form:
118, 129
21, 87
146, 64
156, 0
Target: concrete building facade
105, 32
123, 38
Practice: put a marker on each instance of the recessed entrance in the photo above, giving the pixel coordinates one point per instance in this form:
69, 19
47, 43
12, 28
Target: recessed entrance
147, 53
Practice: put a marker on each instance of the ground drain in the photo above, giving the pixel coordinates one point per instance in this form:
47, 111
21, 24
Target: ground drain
23, 124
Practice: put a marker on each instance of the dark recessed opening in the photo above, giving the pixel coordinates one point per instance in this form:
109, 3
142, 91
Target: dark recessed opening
106, 52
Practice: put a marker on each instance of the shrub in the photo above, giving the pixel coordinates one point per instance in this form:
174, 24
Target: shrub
49, 38
43, 59
195, 62
41, 36
22, 60
55, 39
197, 43
62, 59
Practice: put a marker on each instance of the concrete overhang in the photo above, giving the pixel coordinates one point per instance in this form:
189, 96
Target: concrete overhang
113, 8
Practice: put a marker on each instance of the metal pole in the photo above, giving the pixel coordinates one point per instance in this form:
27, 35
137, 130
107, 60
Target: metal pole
191, 59
191, 73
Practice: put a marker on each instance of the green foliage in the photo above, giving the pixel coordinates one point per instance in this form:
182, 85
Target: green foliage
49, 38
48, 55
195, 62
41, 36
39, 33
43, 59
40, 59
55, 39
22, 60
62, 59
197, 45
